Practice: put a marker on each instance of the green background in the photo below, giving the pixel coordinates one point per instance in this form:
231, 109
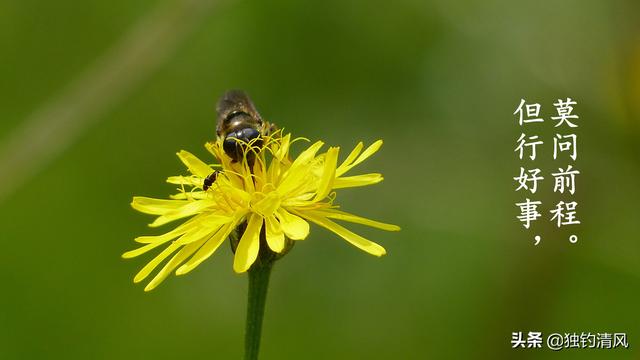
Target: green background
437, 80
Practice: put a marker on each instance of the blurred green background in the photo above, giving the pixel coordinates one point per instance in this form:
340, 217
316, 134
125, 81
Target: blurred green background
96, 97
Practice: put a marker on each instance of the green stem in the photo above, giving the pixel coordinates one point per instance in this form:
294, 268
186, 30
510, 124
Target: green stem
258, 284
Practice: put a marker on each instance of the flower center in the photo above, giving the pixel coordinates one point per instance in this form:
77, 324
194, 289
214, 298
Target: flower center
265, 204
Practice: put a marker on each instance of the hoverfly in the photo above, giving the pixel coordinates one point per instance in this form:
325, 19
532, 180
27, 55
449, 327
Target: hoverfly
238, 124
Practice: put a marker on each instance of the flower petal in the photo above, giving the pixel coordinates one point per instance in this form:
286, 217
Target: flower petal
308, 154
341, 215
175, 261
188, 208
353, 238
357, 180
155, 206
328, 174
283, 147
295, 227
267, 205
273, 172
372, 149
275, 235
292, 178
208, 248
198, 234
190, 195
249, 245
185, 180
183, 228
155, 241
147, 269
350, 158
195, 165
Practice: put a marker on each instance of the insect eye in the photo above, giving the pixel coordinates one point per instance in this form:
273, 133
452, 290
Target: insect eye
232, 148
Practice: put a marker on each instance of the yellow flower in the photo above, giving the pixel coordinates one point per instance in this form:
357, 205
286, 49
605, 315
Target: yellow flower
266, 189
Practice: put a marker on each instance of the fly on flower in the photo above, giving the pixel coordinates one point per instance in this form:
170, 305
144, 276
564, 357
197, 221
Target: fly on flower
238, 123
261, 197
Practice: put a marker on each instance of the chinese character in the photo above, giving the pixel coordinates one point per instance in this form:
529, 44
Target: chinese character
571, 340
533, 110
565, 179
534, 339
620, 339
564, 110
516, 340
531, 177
528, 212
522, 143
587, 340
565, 214
563, 145
604, 341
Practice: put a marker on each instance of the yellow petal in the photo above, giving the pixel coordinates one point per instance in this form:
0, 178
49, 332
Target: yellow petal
283, 149
292, 178
305, 197
341, 215
185, 180
188, 208
355, 181
155, 206
249, 245
143, 249
355, 239
205, 227
293, 226
155, 241
215, 220
351, 158
267, 205
190, 195
183, 228
175, 261
328, 174
195, 165
207, 249
248, 179
275, 235
198, 234
372, 149
274, 171
147, 269
260, 172
308, 154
